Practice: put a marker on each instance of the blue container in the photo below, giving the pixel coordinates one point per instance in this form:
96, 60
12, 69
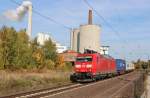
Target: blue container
121, 65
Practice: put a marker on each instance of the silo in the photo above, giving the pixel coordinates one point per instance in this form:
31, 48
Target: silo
89, 37
75, 39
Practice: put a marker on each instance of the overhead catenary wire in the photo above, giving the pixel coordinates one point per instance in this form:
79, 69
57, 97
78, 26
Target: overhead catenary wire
98, 14
107, 23
52, 20
45, 16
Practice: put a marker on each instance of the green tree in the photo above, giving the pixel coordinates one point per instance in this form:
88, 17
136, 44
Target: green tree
139, 64
17, 51
24, 51
50, 50
7, 44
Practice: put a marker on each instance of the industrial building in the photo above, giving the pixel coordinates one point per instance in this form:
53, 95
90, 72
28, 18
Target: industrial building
86, 36
104, 50
60, 48
75, 40
89, 37
42, 37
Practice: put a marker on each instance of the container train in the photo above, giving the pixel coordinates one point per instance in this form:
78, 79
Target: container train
94, 66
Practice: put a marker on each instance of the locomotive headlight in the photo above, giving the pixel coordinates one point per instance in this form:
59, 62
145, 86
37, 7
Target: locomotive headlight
89, 66
77, 66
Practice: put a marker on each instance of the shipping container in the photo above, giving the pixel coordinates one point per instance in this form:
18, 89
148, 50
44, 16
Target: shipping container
130, 67
121, 66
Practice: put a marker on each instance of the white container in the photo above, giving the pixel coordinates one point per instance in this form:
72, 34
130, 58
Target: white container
130, 66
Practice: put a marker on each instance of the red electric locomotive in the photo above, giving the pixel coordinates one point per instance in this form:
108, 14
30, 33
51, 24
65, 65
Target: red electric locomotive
93, 66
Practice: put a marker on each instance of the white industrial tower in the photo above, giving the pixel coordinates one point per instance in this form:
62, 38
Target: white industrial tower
29, 31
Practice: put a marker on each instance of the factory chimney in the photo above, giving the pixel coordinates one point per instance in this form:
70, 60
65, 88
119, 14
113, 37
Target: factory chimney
19, 13
90, 17
29, 31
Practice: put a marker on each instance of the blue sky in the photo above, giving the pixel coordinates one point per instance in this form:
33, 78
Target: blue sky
131, 18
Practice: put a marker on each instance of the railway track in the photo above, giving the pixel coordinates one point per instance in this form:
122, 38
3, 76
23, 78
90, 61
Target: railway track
49, 92
42, 92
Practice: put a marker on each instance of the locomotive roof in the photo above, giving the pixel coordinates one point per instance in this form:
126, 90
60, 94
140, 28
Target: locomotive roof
89, 54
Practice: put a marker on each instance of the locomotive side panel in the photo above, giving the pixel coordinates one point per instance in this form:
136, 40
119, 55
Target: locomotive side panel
103, 65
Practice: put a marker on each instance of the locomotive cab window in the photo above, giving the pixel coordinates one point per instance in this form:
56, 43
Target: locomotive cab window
84, 59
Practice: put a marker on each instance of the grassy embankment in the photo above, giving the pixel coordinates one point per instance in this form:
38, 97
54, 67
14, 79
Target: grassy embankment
22, 81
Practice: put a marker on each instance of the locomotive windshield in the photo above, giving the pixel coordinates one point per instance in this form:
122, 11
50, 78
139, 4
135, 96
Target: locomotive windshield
84, 59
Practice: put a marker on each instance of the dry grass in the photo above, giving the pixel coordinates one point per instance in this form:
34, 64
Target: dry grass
12, 82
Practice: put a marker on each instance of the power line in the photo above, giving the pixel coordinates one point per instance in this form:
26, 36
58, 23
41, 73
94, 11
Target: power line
45, 17
52, 20
107, 23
